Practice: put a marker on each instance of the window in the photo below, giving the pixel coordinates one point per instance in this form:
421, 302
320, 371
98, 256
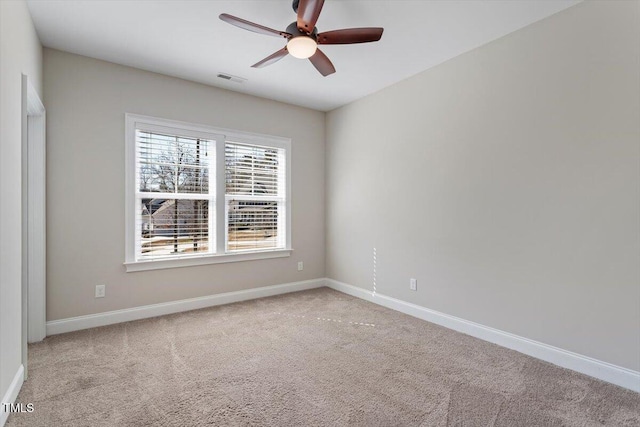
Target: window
255, 197
173, 194
200, 195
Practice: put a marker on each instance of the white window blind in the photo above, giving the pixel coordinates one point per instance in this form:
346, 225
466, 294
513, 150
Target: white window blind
175, 207
255, 197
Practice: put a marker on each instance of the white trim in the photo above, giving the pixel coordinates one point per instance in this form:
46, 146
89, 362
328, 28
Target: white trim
129, 314
12, 393
235, 135
36, 215
288, 203
33, 221
608, 372
191, 261
221, 217
129, 191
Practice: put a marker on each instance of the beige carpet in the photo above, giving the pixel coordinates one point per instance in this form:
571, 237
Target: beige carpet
313, 358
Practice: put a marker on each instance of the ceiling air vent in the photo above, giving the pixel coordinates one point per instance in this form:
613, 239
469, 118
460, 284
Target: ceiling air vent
231, 78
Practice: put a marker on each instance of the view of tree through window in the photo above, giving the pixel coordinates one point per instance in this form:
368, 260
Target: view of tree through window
173, 194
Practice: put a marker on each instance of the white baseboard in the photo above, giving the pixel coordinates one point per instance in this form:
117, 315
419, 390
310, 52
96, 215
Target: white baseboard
623, 377
118, 316
11, 394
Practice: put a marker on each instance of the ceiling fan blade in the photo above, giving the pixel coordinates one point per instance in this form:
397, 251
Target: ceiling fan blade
272, 58
322, 63
351, 35
256, 28
308, 13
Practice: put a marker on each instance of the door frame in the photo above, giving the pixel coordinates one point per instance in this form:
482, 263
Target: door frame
33, 218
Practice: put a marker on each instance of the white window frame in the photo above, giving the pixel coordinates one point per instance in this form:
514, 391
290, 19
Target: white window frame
217, 235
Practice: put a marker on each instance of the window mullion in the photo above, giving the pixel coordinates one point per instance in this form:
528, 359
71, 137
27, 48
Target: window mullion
213, 198
221, 205
184, 196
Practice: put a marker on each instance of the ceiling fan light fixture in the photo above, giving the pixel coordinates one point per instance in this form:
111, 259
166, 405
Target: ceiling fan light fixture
302, 47
303, 37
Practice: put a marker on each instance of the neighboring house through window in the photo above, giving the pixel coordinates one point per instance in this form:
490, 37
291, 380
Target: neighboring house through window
199, 195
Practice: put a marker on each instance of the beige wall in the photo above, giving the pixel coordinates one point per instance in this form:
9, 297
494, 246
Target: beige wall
506, 181
86, 100
20, 53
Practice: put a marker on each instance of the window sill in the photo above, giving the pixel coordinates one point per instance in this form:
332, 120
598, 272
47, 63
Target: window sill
159, 264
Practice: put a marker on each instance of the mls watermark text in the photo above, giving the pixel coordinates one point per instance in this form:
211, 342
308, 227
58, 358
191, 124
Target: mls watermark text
17, 407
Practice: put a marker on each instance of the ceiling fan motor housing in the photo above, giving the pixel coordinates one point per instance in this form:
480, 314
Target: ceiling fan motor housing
293, 30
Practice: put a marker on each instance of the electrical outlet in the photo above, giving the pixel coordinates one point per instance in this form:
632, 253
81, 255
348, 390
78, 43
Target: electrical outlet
413, 284
300, 265
100, 291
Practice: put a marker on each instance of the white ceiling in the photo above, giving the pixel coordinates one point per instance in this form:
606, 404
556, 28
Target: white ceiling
185, 38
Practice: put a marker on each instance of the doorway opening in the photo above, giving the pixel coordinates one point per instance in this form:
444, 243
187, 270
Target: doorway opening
33, 218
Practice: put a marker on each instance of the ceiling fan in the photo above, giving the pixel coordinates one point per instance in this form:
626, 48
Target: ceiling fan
303, 37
